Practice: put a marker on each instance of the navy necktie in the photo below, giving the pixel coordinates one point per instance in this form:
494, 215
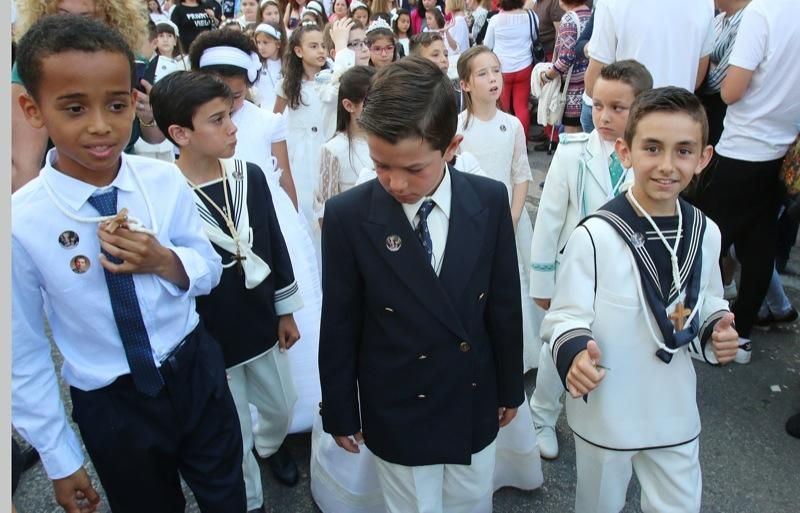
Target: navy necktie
422, 230
127, 314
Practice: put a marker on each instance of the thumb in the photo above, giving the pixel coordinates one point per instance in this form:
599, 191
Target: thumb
724, 323
594, 351
147, 85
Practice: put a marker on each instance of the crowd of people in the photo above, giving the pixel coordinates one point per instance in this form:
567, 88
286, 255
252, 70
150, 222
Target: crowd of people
309, 215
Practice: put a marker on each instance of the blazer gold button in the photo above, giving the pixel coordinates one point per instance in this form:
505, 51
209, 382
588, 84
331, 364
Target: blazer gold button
464, 347
421, 396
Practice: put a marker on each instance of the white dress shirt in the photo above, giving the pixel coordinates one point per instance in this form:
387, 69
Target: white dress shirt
438, 219
77, 305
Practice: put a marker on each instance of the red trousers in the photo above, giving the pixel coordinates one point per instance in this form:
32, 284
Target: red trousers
514, 99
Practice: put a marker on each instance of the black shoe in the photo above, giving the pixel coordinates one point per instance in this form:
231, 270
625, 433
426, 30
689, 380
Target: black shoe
793, 425
770, 319
545, 145
537, 138
283, 466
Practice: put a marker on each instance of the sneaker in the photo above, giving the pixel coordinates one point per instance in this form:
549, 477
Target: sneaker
744, 353
771, 319
729, 291
548, 442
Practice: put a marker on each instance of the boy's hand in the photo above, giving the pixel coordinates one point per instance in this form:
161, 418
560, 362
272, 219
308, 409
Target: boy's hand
75, 493
350, 443
542, 302
506, 415
143, 110
584, 375
340, 33
288, 333
725, 339
141, 253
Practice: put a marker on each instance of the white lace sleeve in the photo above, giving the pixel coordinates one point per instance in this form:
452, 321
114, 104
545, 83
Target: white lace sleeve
328, 184
520, 167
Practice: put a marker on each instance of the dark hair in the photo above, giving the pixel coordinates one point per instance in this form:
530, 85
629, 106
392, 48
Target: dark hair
666, 99
60, 33
439, 18
510, 5
377, 33
281, 40
293, 66
397, 14
326, 33
165, 28
417, 88
464, 67
214, 38
629, 72
353, 86
176, 98
365, 7
152, 32
423, 40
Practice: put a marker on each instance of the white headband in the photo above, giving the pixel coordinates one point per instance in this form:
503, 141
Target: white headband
314, 6
394, 15
355, 4
167, 22
266, 28
378, 23
230, 56
265, 2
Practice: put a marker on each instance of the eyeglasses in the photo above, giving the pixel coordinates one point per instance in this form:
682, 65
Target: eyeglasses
358, 43
383, 50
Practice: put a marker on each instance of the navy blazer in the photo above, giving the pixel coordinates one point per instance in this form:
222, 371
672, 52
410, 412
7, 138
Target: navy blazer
420, 363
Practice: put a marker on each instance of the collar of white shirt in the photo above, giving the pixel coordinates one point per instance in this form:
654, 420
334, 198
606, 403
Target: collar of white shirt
74, 192
441, 196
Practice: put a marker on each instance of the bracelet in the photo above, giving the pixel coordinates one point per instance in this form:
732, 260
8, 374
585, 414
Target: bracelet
146, 125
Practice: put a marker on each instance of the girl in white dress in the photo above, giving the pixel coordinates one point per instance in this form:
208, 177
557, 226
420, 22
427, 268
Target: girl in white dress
401, 25
497, 140
346, 154
297, 95
270, 41
261, 139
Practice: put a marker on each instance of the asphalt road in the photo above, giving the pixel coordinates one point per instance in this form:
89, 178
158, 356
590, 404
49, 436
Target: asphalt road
749, 463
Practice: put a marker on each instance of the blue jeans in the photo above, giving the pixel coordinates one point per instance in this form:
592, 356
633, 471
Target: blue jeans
586, 118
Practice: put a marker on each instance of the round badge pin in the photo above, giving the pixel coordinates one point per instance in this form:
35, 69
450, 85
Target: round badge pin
637, 239
80, 264
393, 243
502, 128
68, 239
237, 174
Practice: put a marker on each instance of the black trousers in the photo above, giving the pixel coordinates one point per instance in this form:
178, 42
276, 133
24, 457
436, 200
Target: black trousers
743, 198
140, 445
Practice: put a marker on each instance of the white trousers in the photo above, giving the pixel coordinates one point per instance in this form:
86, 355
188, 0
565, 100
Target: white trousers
546, 398
438, 488
670, 478
265, 382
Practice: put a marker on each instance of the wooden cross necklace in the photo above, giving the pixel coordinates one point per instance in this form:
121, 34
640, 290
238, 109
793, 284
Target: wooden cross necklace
680, 313
226, 214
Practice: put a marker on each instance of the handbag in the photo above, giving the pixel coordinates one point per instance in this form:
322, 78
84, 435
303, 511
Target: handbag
790, 170
537, 50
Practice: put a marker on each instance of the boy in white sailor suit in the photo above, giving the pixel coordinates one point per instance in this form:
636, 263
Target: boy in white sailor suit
250, 311
585, 173
421, 337
638, 289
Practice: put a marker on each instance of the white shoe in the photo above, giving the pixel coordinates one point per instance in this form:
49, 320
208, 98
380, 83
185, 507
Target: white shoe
548, 443
744, 353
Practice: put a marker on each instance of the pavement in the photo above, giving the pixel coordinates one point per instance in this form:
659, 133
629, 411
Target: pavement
749, 463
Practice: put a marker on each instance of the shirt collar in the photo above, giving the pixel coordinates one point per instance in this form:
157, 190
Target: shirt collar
442, 196
74, 192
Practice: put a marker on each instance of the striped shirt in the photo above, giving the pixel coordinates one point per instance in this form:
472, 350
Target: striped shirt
725, 29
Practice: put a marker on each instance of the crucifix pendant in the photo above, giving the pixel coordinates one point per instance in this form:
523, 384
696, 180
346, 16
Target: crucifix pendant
239, 258
679, 315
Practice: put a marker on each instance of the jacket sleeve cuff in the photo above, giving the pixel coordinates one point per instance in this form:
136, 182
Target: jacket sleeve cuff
706, 349
288, 299
566, 347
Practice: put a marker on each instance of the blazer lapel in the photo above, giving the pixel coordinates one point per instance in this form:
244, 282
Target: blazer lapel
465, 236
408, 260
597, 163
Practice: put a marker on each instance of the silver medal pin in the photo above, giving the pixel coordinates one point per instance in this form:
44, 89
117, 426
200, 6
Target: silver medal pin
637, 240
237, 174
393, 243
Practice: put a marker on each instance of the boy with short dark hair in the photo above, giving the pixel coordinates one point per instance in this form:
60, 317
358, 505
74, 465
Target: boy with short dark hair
250, 311
430, 45
421, 336
585, 173
147, 382
638, 286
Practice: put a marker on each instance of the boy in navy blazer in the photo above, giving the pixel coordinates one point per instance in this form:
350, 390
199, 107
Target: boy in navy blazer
421, 338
